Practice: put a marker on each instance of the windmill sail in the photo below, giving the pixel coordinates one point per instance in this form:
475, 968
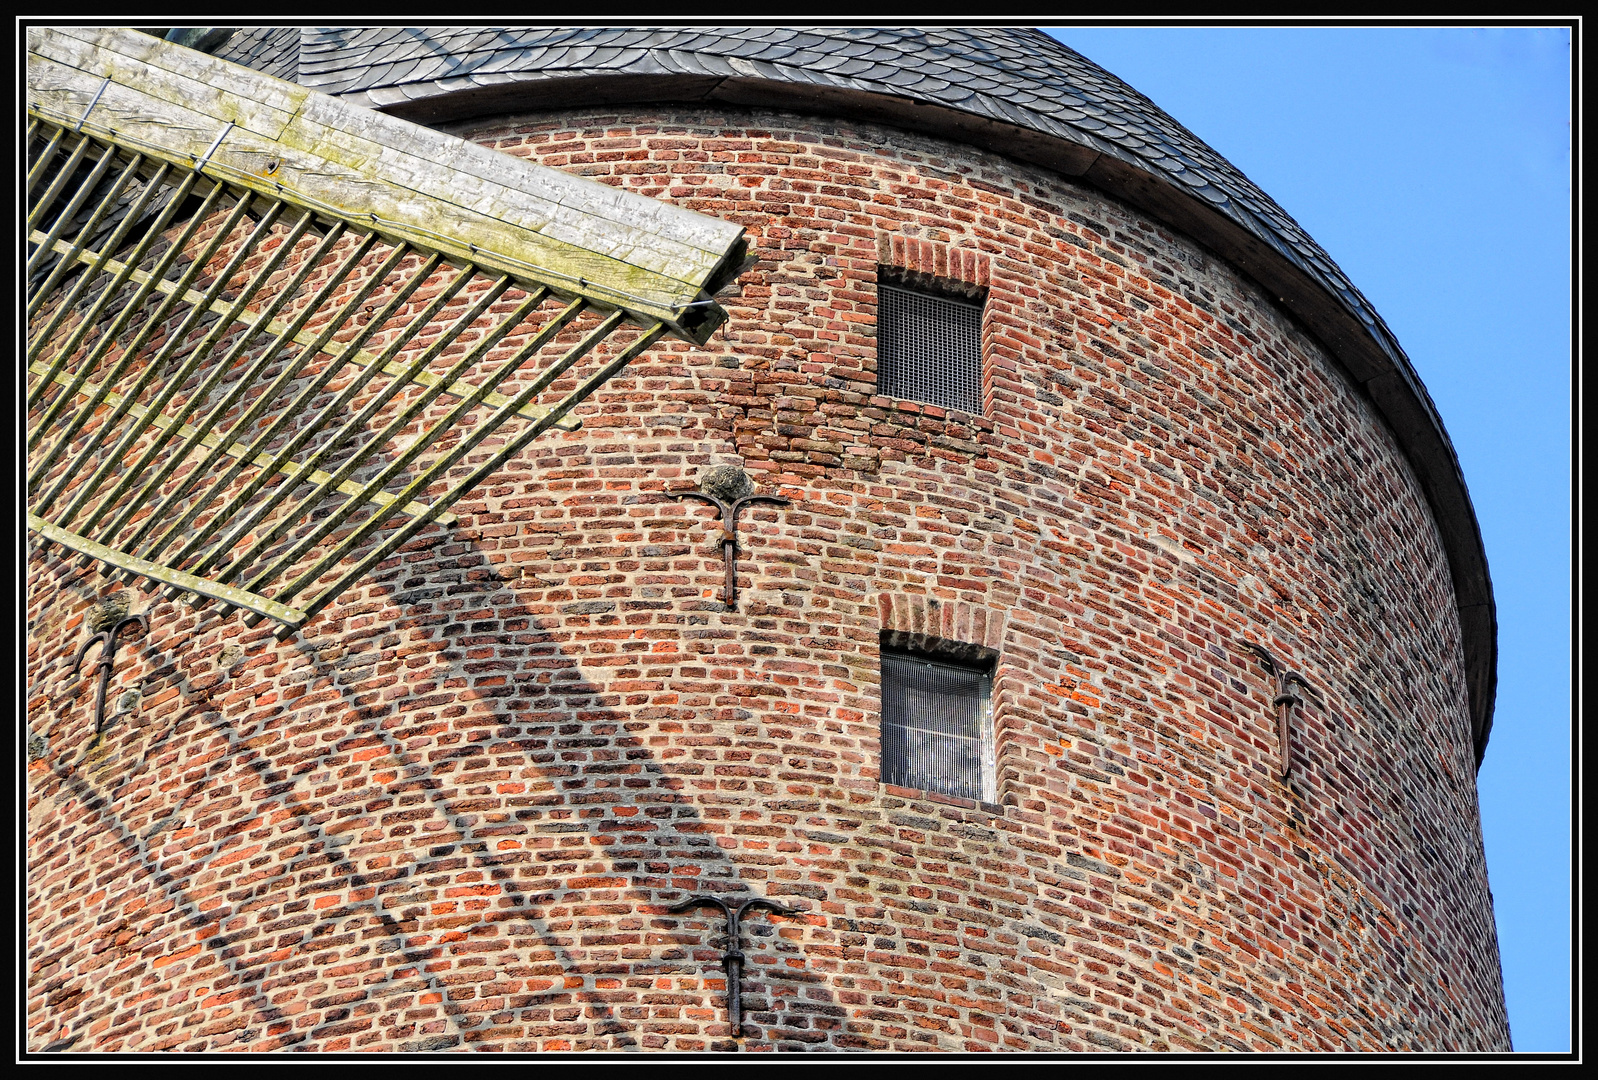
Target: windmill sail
273, 336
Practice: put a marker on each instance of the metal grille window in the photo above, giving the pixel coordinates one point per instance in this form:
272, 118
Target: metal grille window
929, 347
936, 733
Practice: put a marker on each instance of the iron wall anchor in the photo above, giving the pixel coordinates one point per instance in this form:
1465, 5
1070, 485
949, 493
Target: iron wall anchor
1285, 700
107, 640
733, 957
729, 532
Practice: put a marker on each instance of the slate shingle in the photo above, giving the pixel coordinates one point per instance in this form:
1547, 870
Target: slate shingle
274, 50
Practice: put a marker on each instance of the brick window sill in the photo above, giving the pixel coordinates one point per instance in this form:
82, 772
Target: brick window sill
923, 795
931, 412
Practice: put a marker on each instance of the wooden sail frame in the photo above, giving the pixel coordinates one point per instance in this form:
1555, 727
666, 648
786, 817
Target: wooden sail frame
273, 336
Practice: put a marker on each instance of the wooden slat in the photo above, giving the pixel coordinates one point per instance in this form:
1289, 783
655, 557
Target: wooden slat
210, 439
512, 447
287, 617
333, 349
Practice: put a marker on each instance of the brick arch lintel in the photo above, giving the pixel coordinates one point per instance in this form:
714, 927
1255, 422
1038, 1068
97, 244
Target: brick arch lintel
926, 624
931, 264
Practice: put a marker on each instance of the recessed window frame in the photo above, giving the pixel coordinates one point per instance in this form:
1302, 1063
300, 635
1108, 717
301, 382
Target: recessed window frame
910, 338
899, 652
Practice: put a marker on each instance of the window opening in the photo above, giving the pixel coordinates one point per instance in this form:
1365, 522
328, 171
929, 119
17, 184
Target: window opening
937, 734
929, 347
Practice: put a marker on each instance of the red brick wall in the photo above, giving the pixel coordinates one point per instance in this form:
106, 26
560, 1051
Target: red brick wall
453, 811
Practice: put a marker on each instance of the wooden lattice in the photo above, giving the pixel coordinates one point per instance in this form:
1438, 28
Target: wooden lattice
272, 336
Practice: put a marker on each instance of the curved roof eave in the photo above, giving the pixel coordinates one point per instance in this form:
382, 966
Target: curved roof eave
1080, 121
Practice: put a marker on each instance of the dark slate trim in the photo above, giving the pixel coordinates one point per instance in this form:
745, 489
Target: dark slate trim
1287, 268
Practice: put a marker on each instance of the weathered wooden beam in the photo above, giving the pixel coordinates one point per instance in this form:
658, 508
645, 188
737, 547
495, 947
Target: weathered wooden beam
284, 614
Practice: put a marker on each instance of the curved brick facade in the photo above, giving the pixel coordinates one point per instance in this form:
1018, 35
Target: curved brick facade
452, 813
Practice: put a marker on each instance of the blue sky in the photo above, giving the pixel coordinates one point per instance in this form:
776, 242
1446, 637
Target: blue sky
1433, 164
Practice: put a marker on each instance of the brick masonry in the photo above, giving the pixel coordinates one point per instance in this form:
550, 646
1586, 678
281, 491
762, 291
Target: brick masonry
452, 813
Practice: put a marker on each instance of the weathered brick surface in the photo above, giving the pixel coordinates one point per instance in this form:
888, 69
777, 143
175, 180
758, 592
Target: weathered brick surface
451, 814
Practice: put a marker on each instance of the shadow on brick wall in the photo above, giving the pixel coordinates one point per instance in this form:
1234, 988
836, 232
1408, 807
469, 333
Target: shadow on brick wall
434, 833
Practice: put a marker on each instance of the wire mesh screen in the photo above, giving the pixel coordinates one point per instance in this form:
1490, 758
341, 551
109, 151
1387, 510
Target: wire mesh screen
932, 720
246, 402
929, 348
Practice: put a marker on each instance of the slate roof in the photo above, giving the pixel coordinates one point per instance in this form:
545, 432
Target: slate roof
273, 50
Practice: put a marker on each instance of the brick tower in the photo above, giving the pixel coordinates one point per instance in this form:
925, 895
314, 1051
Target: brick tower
1104, 662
